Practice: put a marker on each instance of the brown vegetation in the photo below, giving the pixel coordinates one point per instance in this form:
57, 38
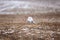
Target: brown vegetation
47, 27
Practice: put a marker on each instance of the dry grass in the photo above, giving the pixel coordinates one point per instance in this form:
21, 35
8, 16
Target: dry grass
43, 29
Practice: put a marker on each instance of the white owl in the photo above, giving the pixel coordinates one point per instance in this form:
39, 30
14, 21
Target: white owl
30, 20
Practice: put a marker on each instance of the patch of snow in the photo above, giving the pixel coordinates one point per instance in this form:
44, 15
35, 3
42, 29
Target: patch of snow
8, 31
11, 5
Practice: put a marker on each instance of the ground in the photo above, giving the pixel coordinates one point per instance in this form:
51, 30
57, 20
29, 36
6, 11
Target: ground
46, 27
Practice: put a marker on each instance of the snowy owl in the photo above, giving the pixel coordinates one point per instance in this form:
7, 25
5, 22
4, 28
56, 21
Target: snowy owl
30, 20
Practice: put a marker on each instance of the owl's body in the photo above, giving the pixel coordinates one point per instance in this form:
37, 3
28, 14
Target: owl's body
30, 20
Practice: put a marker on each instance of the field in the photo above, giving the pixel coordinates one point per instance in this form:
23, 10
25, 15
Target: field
15, 27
